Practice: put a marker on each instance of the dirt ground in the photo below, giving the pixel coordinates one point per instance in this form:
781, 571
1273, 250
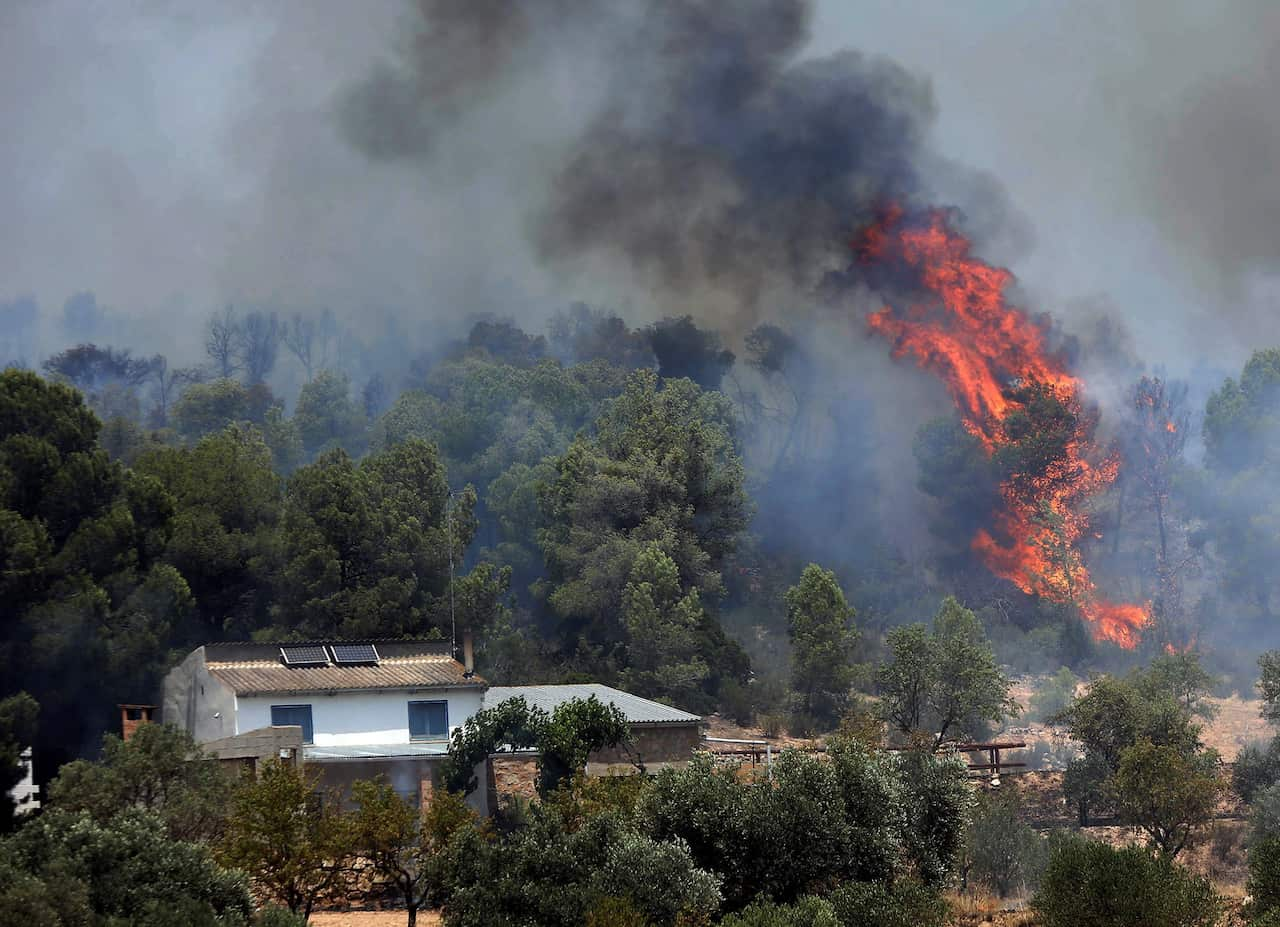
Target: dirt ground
372, 919
1237, 724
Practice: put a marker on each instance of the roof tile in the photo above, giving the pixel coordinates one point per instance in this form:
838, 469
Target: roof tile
266, 678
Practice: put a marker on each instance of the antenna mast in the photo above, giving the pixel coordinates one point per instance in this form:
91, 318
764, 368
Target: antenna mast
453, 618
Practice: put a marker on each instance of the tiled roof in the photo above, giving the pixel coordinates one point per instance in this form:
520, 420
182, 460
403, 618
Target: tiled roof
256, 669
638, 710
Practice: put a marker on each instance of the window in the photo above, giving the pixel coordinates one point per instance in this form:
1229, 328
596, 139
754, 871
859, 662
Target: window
299, 715
428, 720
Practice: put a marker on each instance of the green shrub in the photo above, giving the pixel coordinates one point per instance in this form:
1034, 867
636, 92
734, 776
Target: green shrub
938, 801
1264, 876
1004, 853
278, 917
1090, 884
802, 724
659, 879
614, 911
772, 724
1264, 815
736, 703
905, 903
1257, 767
547, 874
128, 868
857, 816
806, 912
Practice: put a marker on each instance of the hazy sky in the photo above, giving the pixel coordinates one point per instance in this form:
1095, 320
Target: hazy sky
172, 156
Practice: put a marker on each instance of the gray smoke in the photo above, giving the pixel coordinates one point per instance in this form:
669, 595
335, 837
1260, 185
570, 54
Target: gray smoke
710, 157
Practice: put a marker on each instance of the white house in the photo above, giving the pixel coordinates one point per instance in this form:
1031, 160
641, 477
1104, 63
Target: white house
359, 709
356, 709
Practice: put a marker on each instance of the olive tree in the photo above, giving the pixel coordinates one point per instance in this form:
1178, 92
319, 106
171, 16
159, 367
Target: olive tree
291, 839
1166, 792
944, 681
401, 842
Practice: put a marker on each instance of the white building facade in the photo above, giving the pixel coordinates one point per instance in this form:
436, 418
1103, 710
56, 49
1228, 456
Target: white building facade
26, 794
354, 709
362, 709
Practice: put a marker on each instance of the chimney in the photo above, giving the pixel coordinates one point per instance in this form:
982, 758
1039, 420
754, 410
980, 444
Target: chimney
134, 716
468, 654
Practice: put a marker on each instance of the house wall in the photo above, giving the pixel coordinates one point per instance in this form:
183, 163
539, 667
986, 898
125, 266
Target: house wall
350, 718
197, 702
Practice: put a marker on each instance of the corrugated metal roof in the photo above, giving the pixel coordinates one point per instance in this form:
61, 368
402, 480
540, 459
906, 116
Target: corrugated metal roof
374, 751
262, 677
638, 710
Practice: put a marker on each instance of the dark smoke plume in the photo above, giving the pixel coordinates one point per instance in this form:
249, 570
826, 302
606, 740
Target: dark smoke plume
712, 157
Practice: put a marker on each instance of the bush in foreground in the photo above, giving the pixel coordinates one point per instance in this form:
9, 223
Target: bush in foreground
68, 869
1090, 884
1002, 851
857, 904
1264, 878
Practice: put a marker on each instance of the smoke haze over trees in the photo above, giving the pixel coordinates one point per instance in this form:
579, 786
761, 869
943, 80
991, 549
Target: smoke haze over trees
563, 292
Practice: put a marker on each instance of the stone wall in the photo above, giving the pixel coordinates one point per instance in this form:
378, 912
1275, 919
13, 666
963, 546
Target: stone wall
653, 745
512, 776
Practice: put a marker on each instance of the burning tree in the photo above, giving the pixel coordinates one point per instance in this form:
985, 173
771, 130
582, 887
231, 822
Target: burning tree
1015, 397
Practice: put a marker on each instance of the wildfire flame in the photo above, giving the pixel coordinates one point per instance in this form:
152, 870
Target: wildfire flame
965, 332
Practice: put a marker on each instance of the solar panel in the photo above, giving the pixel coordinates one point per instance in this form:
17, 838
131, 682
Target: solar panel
304, 655
346, 654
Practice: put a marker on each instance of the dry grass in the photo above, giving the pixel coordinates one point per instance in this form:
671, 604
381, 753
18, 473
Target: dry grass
1238, 722
979, 908
372, 919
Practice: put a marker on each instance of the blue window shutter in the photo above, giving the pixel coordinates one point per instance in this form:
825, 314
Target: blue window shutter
299, 715
428, 720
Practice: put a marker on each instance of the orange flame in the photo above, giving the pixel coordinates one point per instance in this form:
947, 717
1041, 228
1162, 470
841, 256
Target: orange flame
979, 345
